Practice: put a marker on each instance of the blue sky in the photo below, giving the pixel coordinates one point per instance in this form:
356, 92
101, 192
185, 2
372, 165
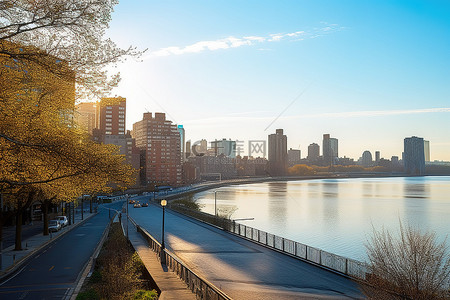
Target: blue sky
368, 72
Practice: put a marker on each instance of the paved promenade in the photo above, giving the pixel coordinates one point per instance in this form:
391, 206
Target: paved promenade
240, 268
172, 288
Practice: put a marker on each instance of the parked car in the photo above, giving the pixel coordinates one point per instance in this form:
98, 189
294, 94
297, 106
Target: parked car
62, 221
144, 204
54, 226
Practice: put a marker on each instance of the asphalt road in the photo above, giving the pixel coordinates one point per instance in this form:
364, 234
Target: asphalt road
53, 272
242, 269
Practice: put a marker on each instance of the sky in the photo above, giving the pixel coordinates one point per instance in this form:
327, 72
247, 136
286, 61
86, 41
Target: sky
369, 73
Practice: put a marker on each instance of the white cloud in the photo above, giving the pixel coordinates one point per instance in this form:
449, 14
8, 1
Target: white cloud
235, 42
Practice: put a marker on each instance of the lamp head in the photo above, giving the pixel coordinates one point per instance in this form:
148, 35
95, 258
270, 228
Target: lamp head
163, 202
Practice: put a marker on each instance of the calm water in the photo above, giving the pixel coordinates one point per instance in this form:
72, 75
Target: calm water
337, 215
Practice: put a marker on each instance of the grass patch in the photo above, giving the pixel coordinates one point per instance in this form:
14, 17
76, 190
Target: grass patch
119, 272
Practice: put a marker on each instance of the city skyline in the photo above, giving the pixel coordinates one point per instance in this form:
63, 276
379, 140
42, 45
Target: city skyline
367, 74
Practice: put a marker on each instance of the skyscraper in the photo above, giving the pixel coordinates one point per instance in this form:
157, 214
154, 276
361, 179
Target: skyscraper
313, 152
330, 149
112, 116
200, 148
225, 147
426, 150
377, 157
160, 140
366, 159
86, 116
182, 144
294, 157
413, 156
278, 153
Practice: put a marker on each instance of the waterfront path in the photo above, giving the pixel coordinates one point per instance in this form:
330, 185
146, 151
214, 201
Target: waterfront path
240, 268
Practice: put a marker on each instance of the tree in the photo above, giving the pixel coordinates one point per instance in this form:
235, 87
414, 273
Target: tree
53, 52
301, 170
412, 265
71, 31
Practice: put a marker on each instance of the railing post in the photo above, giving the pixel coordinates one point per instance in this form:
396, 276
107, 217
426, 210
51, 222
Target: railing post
346, 266
245, 230
259, 235
282, 244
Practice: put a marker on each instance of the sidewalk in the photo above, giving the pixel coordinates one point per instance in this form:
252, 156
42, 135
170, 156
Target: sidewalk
170, 285
11, 260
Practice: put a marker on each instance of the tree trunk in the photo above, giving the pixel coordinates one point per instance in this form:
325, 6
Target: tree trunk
18, 229
45, 212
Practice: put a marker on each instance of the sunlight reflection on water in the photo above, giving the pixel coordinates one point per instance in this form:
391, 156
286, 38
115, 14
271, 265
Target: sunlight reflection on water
337, 215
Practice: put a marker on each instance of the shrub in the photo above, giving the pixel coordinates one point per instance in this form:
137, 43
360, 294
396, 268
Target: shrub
412, 265
145, 295
90, 294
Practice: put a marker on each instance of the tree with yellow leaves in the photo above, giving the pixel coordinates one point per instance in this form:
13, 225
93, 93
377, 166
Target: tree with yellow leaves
51, 53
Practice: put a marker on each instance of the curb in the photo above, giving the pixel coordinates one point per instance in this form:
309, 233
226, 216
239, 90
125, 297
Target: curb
12, 269
73, 293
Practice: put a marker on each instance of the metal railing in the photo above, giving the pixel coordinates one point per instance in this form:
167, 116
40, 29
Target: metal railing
317, 256
347, 266
200, 287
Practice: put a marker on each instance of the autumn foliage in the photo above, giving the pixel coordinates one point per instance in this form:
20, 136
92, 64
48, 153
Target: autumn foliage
51, 54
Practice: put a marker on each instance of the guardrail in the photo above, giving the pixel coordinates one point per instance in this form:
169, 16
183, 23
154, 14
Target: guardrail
317, 256
200, 287
346, 266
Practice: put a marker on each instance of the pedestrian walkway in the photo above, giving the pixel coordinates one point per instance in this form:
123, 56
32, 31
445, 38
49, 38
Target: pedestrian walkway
170, 285
11, 260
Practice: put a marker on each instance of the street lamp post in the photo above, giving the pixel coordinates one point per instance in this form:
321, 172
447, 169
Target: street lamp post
163, 256
128, 202
82, 207
215, 203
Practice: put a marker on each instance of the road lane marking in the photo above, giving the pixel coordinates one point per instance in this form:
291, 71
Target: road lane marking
12, 276
51, 268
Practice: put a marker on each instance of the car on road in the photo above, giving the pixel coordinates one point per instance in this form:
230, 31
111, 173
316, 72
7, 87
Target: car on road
62, 221
54, 226
137, 205
144, 204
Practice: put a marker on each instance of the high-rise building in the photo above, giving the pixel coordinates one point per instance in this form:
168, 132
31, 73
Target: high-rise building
366, 159
426, 150
377, 157
160, 140
112, 116
182, 137
313, 152
188, 149
278, 153
413, 156
126, 147
294, 157
86, 116
225, 147
200, 147
330, 149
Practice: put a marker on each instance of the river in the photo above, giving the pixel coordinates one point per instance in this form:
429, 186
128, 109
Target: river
337, 215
